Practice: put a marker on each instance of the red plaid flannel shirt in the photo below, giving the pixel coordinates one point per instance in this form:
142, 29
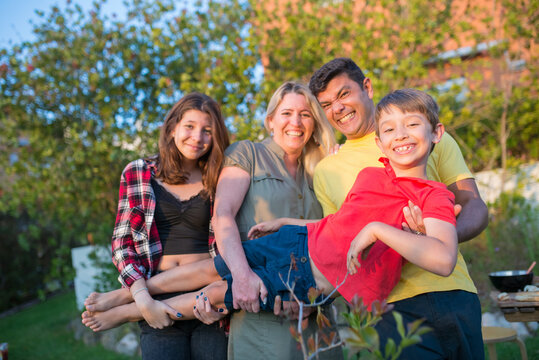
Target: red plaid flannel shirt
136, 248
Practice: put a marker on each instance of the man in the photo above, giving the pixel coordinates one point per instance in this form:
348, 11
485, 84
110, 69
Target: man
346, 96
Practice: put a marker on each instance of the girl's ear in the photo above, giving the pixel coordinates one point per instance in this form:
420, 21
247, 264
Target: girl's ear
438, 132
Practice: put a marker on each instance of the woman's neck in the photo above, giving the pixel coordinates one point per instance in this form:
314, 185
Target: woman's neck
291, 163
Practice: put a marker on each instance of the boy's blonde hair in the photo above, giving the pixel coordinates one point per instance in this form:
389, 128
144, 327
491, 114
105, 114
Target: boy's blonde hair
408, 100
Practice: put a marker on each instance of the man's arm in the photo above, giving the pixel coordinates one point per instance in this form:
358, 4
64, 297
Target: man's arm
473, 217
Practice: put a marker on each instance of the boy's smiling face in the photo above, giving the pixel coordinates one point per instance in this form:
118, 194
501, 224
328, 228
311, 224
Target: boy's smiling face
406, 140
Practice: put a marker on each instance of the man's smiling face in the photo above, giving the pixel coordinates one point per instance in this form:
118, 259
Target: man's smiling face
349, 108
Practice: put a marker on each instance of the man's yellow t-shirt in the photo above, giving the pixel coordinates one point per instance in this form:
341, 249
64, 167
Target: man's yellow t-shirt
335, 175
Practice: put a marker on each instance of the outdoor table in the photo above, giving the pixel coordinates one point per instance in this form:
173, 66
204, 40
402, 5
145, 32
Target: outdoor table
517, 311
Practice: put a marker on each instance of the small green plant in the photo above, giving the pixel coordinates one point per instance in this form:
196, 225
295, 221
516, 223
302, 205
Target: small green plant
364, 339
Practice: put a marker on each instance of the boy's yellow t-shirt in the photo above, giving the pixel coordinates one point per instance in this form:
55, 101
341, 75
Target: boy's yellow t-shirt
335, 175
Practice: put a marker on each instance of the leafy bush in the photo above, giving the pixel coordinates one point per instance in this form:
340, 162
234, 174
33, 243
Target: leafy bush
508, 243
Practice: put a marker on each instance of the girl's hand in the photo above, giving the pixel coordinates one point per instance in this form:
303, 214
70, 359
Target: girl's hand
157, 314
264, 228
362, 241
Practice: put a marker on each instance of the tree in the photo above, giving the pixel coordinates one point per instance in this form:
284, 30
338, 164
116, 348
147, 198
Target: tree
496, 123
89, 95
403, 44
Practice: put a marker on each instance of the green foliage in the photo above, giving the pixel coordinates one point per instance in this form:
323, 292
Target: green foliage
396, 50
17, 286
508, 243
364, 338
390, 45
89, 95
496, 122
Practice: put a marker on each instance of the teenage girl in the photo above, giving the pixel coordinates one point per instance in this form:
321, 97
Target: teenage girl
162, 222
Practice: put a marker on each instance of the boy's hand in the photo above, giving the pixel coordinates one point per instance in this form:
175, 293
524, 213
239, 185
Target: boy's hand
362, 241
264, 228
289, 309
414, 219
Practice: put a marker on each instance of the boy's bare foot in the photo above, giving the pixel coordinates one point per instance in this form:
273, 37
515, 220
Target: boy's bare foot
99, 302
101, 321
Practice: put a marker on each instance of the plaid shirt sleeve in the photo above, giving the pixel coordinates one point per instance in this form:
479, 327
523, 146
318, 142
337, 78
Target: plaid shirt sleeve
135, 251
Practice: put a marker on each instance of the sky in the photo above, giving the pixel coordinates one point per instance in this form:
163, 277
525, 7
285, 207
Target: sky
16, 15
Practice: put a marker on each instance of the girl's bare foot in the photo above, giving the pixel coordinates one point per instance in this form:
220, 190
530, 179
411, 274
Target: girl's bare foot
101, 321
99, 302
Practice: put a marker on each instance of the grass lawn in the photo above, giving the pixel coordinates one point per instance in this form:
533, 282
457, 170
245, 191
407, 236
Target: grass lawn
511, 351
41, 332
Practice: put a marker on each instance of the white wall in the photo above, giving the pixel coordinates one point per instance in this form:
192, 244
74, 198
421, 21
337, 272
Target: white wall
526, 179
86, 272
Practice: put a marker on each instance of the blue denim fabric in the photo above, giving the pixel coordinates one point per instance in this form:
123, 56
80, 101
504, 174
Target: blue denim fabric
270, 256
455, 320
185, 339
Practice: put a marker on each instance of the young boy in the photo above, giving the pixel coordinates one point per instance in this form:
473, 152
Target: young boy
324, 251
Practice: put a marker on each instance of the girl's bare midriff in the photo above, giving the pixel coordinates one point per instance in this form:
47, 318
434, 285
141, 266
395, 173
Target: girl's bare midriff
170, 261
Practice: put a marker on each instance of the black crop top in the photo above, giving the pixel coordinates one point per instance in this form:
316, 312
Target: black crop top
183, 225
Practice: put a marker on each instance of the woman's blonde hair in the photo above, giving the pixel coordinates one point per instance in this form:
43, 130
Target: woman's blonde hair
322, 139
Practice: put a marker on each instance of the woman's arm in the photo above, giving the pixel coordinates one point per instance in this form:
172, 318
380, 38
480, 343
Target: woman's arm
247, 287
436, 252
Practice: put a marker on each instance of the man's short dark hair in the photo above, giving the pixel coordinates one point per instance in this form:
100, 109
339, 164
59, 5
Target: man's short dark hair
320, 79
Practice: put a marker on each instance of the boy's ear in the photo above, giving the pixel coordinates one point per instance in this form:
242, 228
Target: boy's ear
438, 132
379, 144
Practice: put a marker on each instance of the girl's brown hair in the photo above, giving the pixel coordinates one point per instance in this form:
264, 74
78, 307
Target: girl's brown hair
170, 159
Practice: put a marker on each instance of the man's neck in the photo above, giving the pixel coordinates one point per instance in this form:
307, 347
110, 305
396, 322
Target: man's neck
361, 133
359, 137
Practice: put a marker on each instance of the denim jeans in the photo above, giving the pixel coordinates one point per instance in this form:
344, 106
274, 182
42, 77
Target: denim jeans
189, 339
269, 257
455, 320
185, 339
